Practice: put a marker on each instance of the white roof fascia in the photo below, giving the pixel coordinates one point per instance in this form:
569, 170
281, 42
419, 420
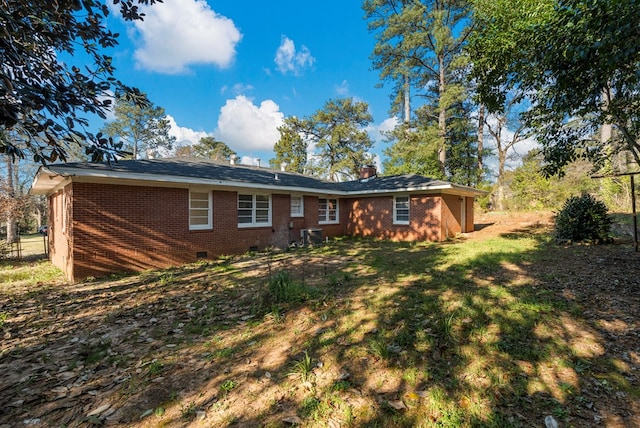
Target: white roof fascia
432, 189
156, 180
56, 181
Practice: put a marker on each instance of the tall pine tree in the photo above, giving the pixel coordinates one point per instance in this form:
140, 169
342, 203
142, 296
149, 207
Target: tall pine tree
419, 45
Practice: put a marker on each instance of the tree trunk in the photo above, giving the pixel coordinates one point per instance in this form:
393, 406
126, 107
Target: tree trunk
480, 141
442, 117
407, 100
12, 226
502, 158
606, 130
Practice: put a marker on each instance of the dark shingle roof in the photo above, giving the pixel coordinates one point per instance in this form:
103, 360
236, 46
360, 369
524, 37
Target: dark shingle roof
392, 182
203, 169
208, 172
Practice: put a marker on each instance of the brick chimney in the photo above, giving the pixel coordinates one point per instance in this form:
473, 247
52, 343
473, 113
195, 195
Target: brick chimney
367, 171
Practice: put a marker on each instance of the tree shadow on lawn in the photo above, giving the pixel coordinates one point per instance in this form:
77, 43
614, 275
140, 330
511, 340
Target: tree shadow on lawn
490, 333
498, 339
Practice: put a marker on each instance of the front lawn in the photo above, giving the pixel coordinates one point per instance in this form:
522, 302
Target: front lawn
506, 330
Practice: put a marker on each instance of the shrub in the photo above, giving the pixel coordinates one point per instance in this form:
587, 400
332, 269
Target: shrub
283, 289
583, 218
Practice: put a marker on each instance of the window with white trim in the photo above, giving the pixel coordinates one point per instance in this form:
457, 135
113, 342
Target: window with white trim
254, 210
297, 206
401, 210
200, 210
327, 210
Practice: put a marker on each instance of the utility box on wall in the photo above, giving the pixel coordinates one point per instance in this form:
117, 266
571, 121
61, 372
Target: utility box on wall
311, 236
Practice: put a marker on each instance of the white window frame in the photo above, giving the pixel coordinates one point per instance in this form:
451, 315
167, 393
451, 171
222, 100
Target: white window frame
327, 211
401, 199
300, 207
254, 210
208, 209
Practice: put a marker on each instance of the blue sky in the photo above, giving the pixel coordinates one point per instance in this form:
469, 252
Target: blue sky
234, 70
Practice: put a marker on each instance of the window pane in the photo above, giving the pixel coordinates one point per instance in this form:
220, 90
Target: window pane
245, 202
402, 209
328, 210
296, 205
199, 196
245, 216
253, 209
199, 209
198, 212
333, 209
200, 204
203, 221
262, 216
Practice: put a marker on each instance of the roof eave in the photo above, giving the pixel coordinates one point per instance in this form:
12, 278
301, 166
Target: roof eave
59, 175
63, 174
463, 190
47, 181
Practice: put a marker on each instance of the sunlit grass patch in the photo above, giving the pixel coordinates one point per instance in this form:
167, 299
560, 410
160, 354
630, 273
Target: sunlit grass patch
16, 273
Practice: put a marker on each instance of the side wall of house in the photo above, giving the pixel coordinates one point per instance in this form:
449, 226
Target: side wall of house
60, 237
113, 228
373, 217
470, 220
451, 215
132, 228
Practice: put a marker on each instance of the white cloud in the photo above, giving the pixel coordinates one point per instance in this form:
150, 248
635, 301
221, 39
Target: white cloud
343, 88
184, 136
289, 60
375, 131
249, 160
237, 89
244, 126
388, 124
179, 33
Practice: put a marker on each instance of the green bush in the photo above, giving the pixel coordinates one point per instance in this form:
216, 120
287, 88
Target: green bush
583, 218
283, 289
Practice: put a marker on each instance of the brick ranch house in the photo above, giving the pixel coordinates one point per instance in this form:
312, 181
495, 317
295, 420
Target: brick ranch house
135, 215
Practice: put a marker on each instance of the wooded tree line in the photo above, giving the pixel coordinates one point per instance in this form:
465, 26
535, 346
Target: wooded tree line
466, 78
475, 78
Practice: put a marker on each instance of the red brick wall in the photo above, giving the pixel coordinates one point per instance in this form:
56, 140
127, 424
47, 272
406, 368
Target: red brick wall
114, 228
470, 224
134, 228
373, 217
60, 220
426, 215
451, 214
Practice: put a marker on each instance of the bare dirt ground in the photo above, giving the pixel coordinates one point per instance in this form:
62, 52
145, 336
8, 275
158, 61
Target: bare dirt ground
135, 351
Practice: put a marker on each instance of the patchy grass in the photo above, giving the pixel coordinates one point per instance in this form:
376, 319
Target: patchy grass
495, 332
